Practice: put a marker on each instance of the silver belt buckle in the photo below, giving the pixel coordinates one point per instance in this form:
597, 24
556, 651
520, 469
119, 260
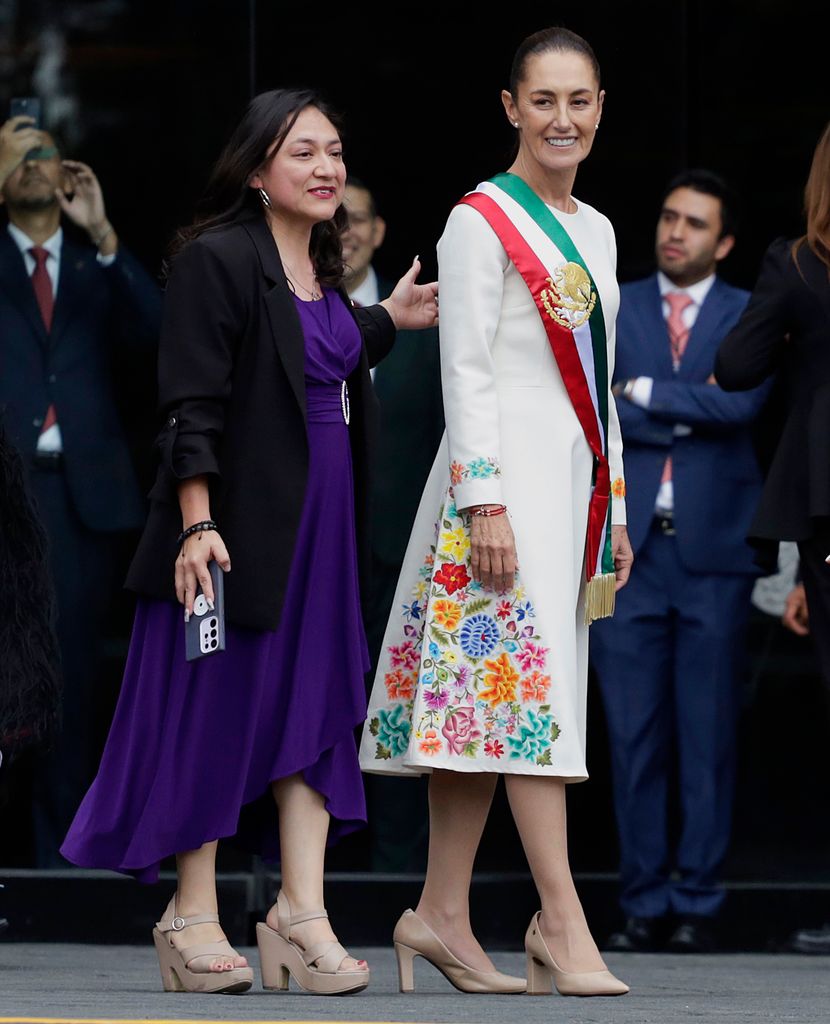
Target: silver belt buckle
344, 402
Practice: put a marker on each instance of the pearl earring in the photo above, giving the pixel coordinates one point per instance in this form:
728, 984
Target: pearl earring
596, 126
515, 124
263, 195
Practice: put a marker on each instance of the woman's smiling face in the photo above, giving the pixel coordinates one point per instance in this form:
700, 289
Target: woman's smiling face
306, 177
558, 107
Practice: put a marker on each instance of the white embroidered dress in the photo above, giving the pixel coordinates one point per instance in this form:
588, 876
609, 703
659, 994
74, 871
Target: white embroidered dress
468, 679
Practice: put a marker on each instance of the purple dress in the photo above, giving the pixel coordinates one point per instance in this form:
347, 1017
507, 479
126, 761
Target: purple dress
194, 746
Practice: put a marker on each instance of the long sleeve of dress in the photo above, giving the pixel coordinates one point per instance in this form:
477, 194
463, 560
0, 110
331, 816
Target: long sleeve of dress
615, 442
471, 265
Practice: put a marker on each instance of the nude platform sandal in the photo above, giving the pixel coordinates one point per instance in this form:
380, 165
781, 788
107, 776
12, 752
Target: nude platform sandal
413, 937
541, 967
188, 969
316, 969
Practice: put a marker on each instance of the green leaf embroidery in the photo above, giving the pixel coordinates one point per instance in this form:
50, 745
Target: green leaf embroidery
544, 759
471, 749
477, 606
374, 726
544, 709
447, 524
383, 753
442, 674
555, 732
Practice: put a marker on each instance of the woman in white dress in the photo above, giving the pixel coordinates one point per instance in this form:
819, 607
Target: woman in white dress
519, 540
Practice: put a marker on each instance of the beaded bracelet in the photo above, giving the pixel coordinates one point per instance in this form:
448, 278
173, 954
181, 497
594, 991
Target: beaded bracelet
204, 526
499, 510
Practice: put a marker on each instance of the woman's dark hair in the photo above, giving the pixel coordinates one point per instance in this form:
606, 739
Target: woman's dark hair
817, 203
228, 197
555, 39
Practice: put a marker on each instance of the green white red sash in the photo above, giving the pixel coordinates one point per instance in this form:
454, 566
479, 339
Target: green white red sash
571, 310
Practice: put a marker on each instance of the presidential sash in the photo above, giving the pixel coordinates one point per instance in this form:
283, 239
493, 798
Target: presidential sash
571, 311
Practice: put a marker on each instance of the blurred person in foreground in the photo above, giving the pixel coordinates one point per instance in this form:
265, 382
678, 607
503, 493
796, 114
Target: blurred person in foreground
71, 296
788, 320
408, 386
669, 663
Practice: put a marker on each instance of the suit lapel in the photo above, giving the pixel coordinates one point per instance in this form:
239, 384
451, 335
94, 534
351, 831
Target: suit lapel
284, 320
705, 329
16, 283
654, 328
77, 264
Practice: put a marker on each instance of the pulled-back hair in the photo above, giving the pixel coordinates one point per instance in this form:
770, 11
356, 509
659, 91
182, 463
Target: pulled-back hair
817, 203
555, 39
228, 197
709, 184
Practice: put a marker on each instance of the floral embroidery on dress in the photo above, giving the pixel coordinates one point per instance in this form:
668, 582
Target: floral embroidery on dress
478, 469
468, 677
618, 488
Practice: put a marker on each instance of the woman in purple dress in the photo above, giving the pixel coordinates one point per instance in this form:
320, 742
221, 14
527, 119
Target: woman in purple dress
264, 382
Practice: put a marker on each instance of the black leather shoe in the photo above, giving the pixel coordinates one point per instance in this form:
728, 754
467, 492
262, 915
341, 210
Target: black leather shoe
640, 935
815, 941
693, 935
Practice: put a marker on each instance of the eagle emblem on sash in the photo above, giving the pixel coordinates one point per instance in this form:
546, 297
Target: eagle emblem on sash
570, 300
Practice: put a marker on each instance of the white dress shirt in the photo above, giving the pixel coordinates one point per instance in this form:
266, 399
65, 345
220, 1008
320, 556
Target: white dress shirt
642, 386
50, 440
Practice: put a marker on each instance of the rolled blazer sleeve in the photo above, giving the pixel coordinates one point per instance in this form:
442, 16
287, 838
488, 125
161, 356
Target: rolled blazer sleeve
203, 318
471, 266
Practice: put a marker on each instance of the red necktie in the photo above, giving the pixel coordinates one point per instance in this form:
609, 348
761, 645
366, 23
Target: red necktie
678, 339
42, 285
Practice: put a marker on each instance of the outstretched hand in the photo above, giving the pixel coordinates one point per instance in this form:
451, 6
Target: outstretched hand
413, 306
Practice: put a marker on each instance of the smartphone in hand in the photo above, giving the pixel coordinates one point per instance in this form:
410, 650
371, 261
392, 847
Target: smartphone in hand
204, 632
26, 106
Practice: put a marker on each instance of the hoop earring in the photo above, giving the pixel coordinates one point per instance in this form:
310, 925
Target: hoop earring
263, 195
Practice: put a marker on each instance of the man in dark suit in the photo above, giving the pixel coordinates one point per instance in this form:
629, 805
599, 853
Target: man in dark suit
408, 386
669, 662
68, 311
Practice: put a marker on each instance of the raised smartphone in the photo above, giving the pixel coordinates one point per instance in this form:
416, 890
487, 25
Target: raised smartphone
28, 106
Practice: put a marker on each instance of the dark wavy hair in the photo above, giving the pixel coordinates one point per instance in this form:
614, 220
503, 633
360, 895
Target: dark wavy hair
270, 116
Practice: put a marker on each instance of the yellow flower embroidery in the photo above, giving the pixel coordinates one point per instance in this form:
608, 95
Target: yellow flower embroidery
446, 613
455, 543
500, 681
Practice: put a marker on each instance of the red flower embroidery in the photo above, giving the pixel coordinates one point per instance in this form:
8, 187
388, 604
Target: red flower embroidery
504, 609
451, 577
492, 748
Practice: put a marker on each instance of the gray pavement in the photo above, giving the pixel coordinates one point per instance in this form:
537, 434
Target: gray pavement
122, 982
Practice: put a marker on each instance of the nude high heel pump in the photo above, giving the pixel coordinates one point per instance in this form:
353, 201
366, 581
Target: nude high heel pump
541, 967
189, 969
413, 937
316, 969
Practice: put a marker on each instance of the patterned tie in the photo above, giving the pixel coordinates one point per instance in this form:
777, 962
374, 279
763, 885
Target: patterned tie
678, 339
678, 331
42, 285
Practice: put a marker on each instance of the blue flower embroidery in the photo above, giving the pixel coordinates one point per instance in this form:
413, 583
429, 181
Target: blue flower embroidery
479, 636
393, 729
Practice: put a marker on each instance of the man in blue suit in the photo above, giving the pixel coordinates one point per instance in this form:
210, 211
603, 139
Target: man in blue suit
73, 305
669, 662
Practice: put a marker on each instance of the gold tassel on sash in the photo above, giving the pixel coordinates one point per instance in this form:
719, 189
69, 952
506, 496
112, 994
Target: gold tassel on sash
600, 595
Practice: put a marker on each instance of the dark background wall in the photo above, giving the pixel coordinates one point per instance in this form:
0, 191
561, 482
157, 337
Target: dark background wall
148, 92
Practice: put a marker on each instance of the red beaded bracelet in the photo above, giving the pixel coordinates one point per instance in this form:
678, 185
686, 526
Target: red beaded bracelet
499, 510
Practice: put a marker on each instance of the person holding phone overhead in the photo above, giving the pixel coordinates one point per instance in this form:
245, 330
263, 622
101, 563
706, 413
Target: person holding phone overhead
265, 387
519, 541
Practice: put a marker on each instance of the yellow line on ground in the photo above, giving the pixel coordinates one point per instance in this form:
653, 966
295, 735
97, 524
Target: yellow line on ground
178, 1020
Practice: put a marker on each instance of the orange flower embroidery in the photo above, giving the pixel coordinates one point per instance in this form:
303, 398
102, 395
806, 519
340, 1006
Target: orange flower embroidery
430, 743
447, 613
500, 680
535, 687
456, 472
399, 684
618, 487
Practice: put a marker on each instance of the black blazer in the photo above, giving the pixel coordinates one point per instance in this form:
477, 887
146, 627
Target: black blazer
99, 311
232, 389
787, 325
